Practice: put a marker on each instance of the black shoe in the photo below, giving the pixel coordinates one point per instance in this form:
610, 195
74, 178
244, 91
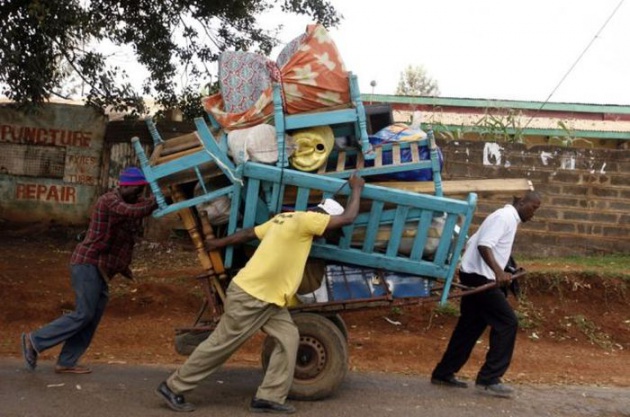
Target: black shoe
29, 352
174, 401
450, 381
264, 406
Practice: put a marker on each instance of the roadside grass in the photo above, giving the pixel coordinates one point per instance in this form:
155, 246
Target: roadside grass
617, 266
530, 317
590, 329
562, 276
448, 309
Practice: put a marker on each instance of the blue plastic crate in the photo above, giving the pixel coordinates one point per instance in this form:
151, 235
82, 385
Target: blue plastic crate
404, 286
351, 283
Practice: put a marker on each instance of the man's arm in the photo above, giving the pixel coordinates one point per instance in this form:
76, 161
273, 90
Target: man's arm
488, 257
134, 210
242, 236
352, 207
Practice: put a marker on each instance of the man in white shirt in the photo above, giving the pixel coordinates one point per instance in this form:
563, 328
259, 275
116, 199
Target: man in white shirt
487, 253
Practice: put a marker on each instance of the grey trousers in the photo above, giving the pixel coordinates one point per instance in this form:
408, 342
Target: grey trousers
244, 315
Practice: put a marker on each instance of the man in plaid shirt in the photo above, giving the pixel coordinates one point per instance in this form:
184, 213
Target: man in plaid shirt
105, 251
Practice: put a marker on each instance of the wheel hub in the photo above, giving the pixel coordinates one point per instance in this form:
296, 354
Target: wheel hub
311, 358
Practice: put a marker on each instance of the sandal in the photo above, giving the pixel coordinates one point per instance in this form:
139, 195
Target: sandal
29, 352
72, 369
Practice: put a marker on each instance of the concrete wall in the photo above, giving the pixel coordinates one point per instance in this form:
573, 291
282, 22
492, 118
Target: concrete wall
55, 163
49, 163
586, 193
586, 207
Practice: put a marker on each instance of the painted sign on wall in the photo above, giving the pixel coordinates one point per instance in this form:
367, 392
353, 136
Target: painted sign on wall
50, 163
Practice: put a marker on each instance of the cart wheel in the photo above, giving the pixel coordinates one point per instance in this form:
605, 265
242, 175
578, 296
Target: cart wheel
338, 321
322, 358
185, 343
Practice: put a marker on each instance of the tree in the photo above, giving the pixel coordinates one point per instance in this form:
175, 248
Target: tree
43, 43
414, 81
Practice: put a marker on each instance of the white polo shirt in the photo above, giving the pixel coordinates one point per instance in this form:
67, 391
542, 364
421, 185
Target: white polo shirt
497, 232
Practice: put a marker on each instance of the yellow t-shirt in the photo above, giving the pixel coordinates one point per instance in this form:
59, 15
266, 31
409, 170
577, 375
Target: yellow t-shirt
274, 272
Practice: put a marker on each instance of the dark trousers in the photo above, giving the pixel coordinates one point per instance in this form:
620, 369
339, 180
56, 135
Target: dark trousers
76, 329
487, 308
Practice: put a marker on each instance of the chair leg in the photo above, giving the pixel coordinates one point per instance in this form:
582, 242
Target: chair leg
278, 109
148, 173
361, 123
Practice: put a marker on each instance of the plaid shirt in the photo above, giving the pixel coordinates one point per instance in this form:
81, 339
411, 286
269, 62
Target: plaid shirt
109, 241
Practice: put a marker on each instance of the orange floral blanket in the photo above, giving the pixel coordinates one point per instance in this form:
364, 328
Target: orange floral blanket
313, 78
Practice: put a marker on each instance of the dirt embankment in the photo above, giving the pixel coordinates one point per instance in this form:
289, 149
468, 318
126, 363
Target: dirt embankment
575, 327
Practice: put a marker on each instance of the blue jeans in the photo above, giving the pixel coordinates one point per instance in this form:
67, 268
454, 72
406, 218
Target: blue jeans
76, 329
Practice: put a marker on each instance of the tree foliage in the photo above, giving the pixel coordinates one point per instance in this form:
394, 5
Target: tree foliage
415, 81
44, 43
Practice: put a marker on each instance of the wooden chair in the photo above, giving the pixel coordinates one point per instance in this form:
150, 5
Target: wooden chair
347, 121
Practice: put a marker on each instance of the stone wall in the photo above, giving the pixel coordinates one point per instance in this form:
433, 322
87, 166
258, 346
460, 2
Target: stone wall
586, 193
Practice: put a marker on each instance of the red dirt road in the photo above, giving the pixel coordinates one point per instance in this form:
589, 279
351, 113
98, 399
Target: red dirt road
577, 328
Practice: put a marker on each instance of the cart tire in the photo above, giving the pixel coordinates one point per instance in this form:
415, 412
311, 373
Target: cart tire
338, 321
185, 343
322, 359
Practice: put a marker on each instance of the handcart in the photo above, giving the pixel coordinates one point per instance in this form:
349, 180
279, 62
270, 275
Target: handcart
390, 256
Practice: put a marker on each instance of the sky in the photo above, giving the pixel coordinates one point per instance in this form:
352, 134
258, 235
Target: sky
490, 49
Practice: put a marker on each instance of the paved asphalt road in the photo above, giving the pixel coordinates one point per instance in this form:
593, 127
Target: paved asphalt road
126, 390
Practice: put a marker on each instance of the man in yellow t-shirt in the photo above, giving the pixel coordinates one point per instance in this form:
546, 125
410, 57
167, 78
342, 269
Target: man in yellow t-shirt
257, 298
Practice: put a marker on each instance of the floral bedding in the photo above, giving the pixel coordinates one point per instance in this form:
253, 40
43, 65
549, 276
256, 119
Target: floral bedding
311, 72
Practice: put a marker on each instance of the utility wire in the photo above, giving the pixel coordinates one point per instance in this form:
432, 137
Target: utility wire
601, 29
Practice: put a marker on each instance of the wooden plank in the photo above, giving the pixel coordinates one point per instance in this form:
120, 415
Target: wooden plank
498, 186
415, 152
341, 161
378, 159
360, 161
215, 256
162, 160
209, 171
396, 154
156, 154
187, 140
172, 150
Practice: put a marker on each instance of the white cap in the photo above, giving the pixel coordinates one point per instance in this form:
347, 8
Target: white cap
331, 207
